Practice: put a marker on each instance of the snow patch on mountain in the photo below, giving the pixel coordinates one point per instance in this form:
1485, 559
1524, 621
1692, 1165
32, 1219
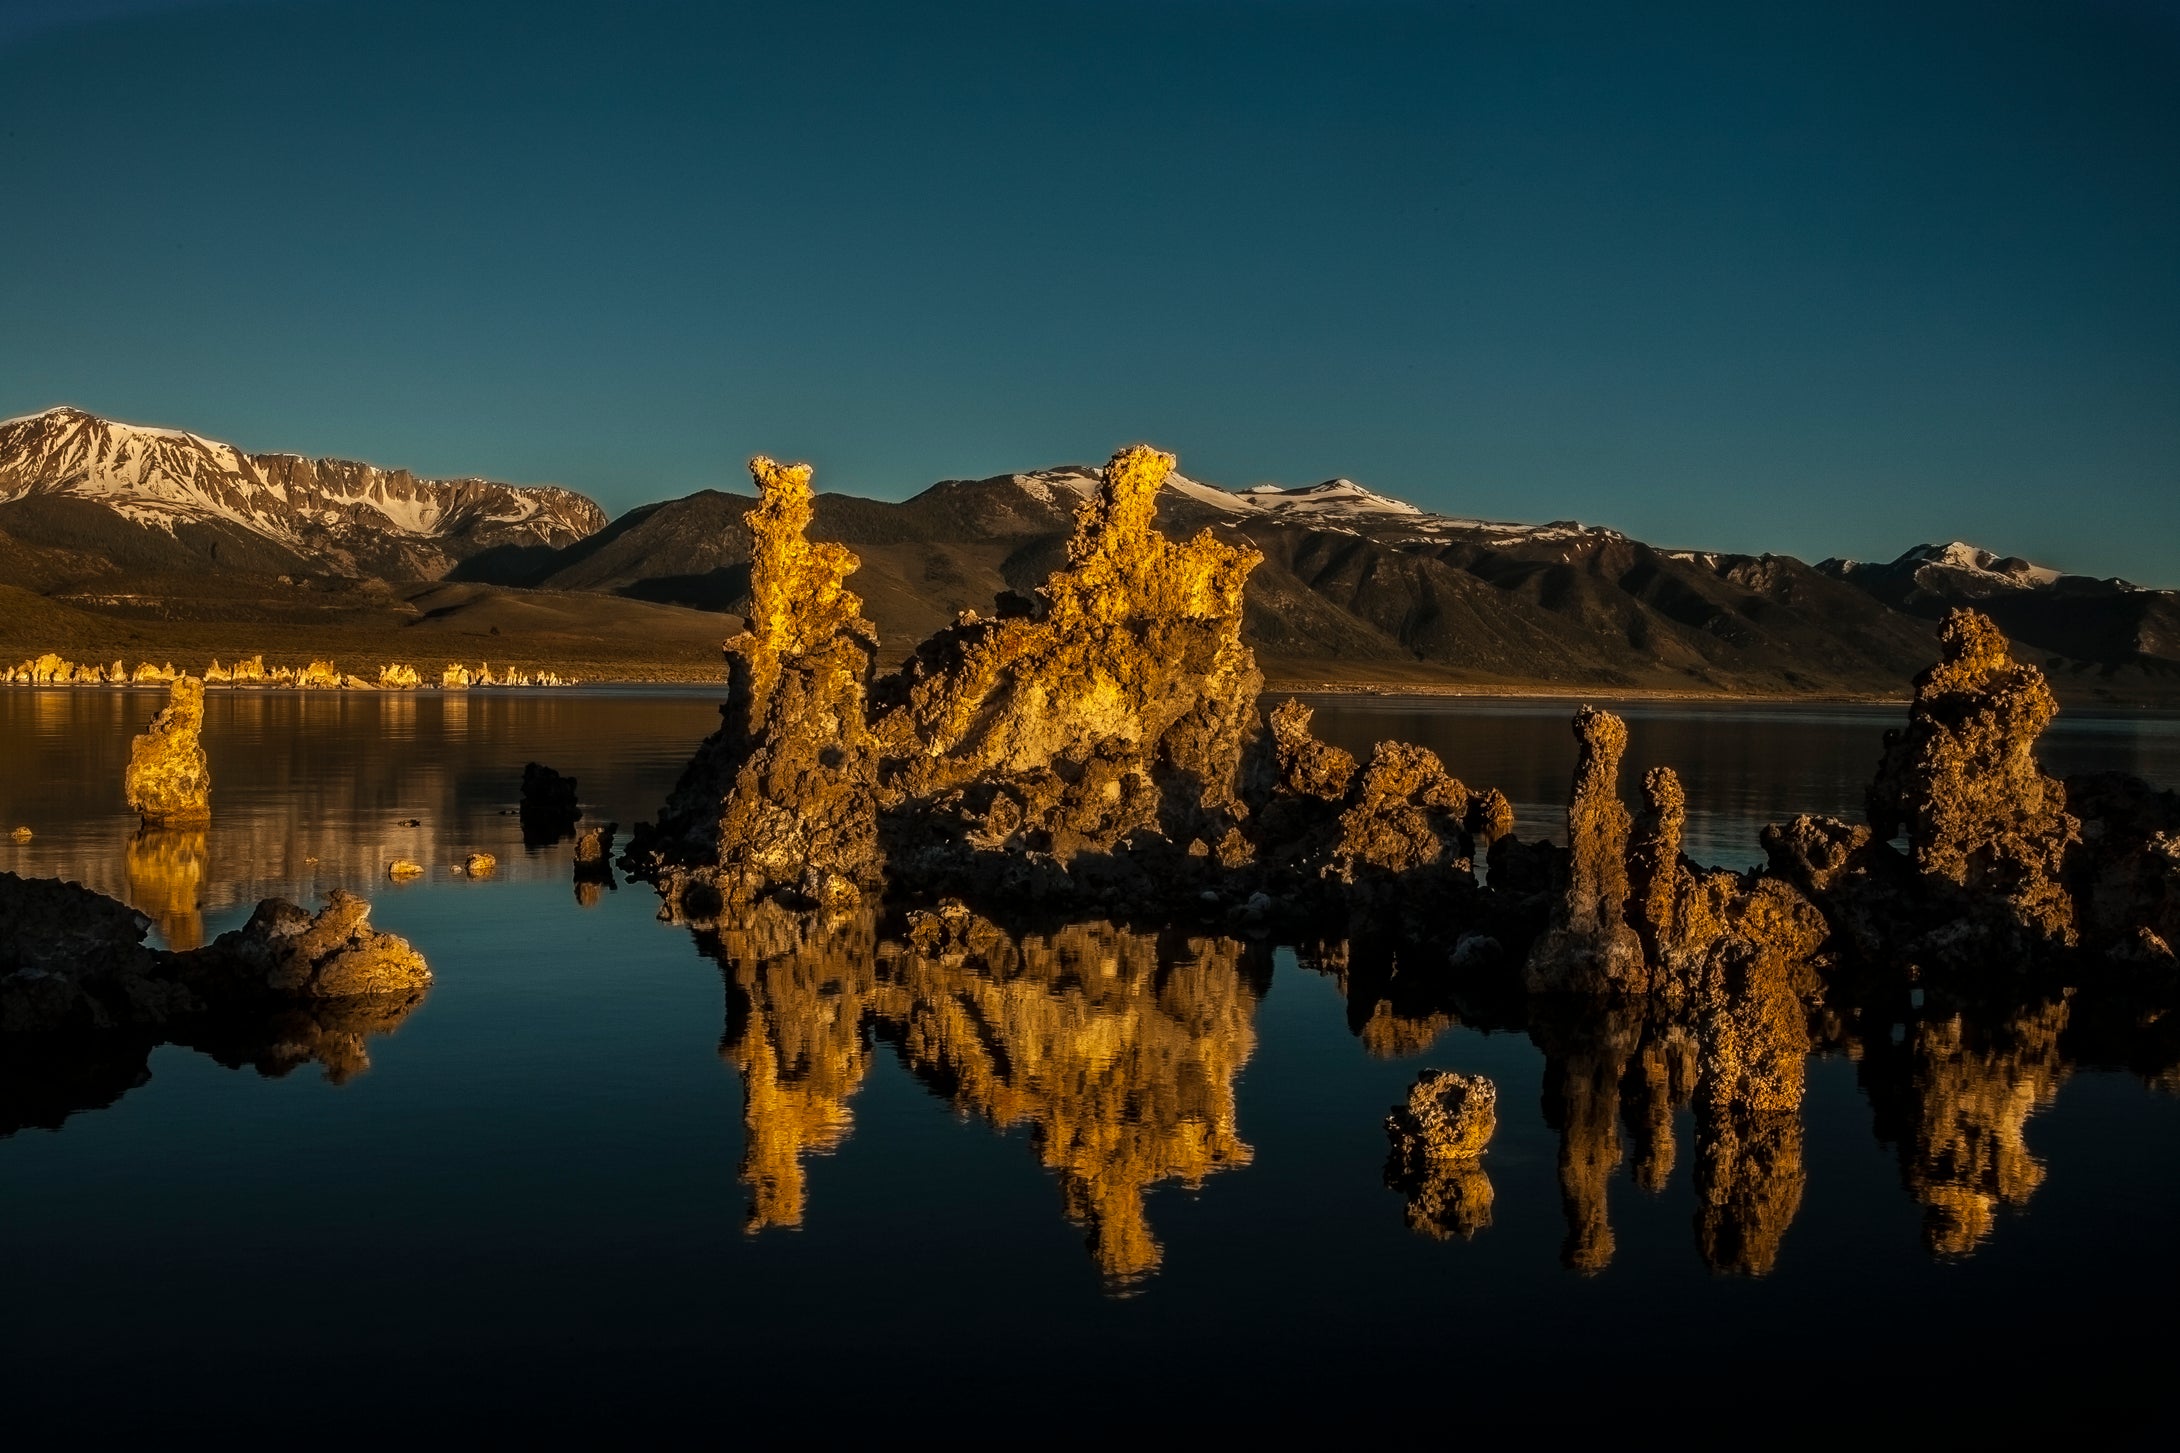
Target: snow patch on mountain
1338, 506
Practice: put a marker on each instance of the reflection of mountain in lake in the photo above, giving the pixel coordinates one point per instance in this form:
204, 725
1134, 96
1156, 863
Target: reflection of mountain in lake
1117, 1049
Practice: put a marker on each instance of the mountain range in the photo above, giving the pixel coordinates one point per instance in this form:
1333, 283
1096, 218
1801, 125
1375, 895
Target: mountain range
99, 518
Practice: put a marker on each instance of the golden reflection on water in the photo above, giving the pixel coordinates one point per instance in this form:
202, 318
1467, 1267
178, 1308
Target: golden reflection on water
165, 868
1955, 1097
1117, 1049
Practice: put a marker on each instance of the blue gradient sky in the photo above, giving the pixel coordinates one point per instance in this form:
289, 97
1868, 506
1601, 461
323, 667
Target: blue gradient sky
1829, 279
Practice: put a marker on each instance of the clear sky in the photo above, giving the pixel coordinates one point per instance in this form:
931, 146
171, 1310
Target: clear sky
1826, 279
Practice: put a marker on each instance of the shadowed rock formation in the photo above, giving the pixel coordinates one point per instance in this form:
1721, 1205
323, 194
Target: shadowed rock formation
169, 782
549, 809
1999, 876
83, 1001
2125, 871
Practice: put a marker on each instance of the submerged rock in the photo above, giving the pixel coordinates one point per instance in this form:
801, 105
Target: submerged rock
550, 808
169, 780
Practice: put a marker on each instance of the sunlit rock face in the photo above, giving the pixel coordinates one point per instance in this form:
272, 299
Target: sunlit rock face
1439, 1135
783, 797
1962, 782
1956, 1098
1999, 873
1589, 948
286, 952
1089, 741
1118, 1050
169, 781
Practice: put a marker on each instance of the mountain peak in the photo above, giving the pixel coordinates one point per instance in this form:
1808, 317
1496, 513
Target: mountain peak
325, 512
1960, 555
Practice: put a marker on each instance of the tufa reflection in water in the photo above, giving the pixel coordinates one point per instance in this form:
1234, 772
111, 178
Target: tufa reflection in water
1118, 1049
165, 868
1954, 1095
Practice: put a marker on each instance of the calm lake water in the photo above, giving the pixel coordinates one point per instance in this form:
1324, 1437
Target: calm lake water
609, 1178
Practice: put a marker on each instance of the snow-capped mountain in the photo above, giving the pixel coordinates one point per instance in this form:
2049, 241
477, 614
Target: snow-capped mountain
1338, 505
2077, 616
62, 469
1955, 568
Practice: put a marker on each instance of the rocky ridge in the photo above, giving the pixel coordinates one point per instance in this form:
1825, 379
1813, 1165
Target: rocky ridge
63, 469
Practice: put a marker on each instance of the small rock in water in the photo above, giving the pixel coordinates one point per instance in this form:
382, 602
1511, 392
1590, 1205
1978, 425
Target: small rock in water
410, 822
167, 780
480, 865
1448, 1117
403, 868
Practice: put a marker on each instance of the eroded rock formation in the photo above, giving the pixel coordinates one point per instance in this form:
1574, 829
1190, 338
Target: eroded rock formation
1589, 948
74, 960
782, 799
1963, 784
1087, 743
169, 780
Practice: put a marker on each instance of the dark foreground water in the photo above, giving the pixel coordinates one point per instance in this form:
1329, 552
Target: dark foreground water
608, 1178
